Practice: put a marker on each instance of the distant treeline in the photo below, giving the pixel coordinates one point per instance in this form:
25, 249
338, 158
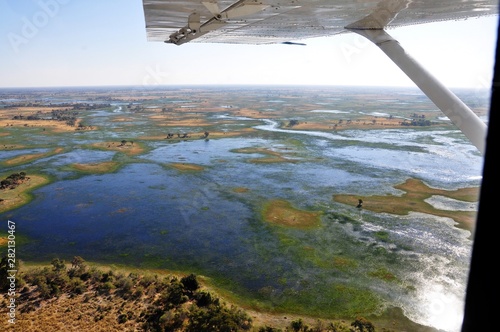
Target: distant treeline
67, 116
416, 122
72, 106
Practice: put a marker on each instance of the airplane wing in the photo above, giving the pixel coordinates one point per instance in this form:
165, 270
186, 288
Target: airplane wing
276, 21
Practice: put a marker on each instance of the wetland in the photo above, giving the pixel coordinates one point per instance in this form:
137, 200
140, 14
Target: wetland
255, 189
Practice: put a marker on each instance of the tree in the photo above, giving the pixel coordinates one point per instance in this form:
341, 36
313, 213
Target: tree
78, 267
58, 265
298, 325
361, 324
218, 319
77, 262
190, 283
204, 299
173, 295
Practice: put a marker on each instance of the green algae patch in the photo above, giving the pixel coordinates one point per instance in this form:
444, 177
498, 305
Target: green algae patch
21, 194
104, 167
283, 213
414, 201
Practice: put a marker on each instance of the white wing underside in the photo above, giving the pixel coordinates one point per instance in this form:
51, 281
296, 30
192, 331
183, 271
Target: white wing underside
276, 21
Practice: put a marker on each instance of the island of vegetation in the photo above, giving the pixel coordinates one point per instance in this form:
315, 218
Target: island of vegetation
15, 189
61, 117
103, 167
27, 158
186, 167
128, 147
414, 200
361, 122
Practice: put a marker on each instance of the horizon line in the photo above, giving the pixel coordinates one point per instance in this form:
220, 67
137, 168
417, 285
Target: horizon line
158, 86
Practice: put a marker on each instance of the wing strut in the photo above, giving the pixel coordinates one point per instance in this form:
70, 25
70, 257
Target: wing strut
461, 115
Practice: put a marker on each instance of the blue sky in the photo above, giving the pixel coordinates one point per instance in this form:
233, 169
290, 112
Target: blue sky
103, 42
